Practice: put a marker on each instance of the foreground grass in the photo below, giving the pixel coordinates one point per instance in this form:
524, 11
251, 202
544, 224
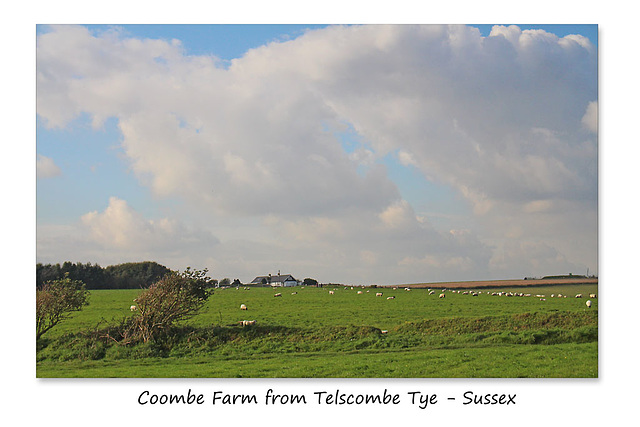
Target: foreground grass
511, 361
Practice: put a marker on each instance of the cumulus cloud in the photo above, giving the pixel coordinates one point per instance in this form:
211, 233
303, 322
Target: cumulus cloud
120, 227
119, 234
46, 167
499, 119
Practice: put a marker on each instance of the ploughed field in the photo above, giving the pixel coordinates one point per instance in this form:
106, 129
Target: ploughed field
344, 332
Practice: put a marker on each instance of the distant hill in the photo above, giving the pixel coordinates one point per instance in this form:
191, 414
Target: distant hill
551, 280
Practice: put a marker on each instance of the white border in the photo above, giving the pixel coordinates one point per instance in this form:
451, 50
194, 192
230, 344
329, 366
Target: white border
109, 402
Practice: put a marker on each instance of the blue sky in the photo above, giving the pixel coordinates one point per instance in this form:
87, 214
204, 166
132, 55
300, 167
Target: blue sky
425, 182
233, 40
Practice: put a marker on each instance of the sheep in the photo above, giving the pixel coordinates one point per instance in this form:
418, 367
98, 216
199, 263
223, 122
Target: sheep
247, 322
441, 296
391, 297
592, 295
579, 296
331, 292
133, 308
431, 292
378, 294
243, 307
588, 303
294, 293
278, 295
359, 292
384, 331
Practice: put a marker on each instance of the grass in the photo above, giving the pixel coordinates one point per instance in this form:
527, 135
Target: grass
510, 361
316, 334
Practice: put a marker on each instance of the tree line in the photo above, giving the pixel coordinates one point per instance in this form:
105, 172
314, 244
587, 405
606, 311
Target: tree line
131, 275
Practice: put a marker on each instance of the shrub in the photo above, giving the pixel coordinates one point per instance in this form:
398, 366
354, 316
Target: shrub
175, 297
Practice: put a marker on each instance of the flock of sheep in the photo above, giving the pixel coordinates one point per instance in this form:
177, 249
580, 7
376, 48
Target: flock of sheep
443, 294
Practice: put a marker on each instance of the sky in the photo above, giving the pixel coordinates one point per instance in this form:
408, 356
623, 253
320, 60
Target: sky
363, 154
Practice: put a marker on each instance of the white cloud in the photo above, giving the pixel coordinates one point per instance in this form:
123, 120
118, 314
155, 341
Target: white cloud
499, 119
398, 215
406, 158
590, 118
122, 228
46, 167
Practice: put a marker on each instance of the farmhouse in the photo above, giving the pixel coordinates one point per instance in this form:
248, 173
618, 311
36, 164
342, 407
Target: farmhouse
278, 280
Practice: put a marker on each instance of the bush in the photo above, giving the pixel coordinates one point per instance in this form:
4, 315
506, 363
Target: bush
175, 297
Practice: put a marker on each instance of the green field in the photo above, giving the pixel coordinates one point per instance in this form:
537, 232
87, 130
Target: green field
342, 335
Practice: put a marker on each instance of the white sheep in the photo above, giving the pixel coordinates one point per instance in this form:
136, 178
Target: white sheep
278, 295
247, 322
441, 296
331, 292
133, 308
588, 303
243, 307
592, 295
579, 296
378, 294
391, 297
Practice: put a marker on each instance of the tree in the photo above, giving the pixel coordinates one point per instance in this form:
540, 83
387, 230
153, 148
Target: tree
175, 297
56, 300
135, 275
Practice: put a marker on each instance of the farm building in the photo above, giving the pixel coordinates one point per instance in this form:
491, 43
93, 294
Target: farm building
277, 280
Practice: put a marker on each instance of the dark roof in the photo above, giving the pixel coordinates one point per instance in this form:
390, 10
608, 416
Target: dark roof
280, 278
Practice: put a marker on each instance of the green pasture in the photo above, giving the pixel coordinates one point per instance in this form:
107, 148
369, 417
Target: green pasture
313, 333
